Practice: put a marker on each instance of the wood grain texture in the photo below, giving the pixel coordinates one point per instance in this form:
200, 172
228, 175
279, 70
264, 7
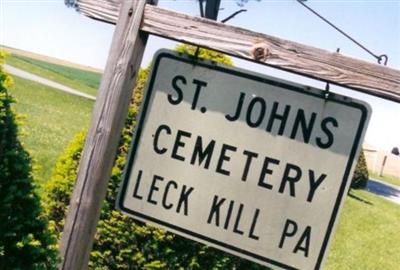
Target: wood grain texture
102, 141
305, 60
102, 10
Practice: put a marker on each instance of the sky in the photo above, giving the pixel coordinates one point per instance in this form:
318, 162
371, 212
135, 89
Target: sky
48, 27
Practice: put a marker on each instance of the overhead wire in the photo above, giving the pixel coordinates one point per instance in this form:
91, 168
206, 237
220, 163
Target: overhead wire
379, 58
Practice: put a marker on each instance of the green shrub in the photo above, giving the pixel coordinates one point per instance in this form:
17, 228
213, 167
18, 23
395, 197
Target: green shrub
121, 242
25, 242
61, 184
360, 177
204, 54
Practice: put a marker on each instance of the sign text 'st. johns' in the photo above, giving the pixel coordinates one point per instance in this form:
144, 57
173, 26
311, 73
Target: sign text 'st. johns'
255, 113
246, 163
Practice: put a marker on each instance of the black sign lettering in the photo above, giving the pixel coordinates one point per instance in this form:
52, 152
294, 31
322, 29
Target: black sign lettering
250, 110
183, 199
179, 143
250, 155
170, 184
253, 225
201, 153
289, 230
224, 157
314, 184
281, 117
306, 127
156, 148
215, 210
199, 84
153, 188
229, 214
178, 99
266, 170
304, 242
237, 222
238, 109
137, 184
328, 132
292, 179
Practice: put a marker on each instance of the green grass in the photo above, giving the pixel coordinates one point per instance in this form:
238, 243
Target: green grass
51, 119
368, 234
386, 178
82, 80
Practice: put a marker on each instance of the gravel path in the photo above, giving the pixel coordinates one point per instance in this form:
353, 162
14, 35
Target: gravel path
32, 77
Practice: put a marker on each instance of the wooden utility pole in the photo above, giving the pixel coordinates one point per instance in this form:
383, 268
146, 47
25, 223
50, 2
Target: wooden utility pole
109, 114
212, 9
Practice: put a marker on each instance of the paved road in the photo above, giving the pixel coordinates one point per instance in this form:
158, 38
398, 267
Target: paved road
388, 191
29, 76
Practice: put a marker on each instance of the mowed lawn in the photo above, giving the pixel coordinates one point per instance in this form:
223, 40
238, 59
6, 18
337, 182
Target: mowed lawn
51, 119
368, 235
82, 80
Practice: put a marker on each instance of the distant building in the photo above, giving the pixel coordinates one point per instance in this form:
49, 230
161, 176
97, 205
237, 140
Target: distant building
381, 162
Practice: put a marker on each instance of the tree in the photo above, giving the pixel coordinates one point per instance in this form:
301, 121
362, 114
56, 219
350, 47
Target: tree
360, 177
25, 242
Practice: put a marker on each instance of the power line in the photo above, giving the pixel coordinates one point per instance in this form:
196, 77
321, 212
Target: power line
379, 58
233, 15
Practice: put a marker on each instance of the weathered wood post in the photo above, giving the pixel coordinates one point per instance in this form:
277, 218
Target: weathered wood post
110, 110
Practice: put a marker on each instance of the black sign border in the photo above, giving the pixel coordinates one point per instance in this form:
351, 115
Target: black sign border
267, 80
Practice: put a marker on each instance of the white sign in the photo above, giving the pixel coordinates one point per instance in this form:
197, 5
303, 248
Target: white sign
252, 165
